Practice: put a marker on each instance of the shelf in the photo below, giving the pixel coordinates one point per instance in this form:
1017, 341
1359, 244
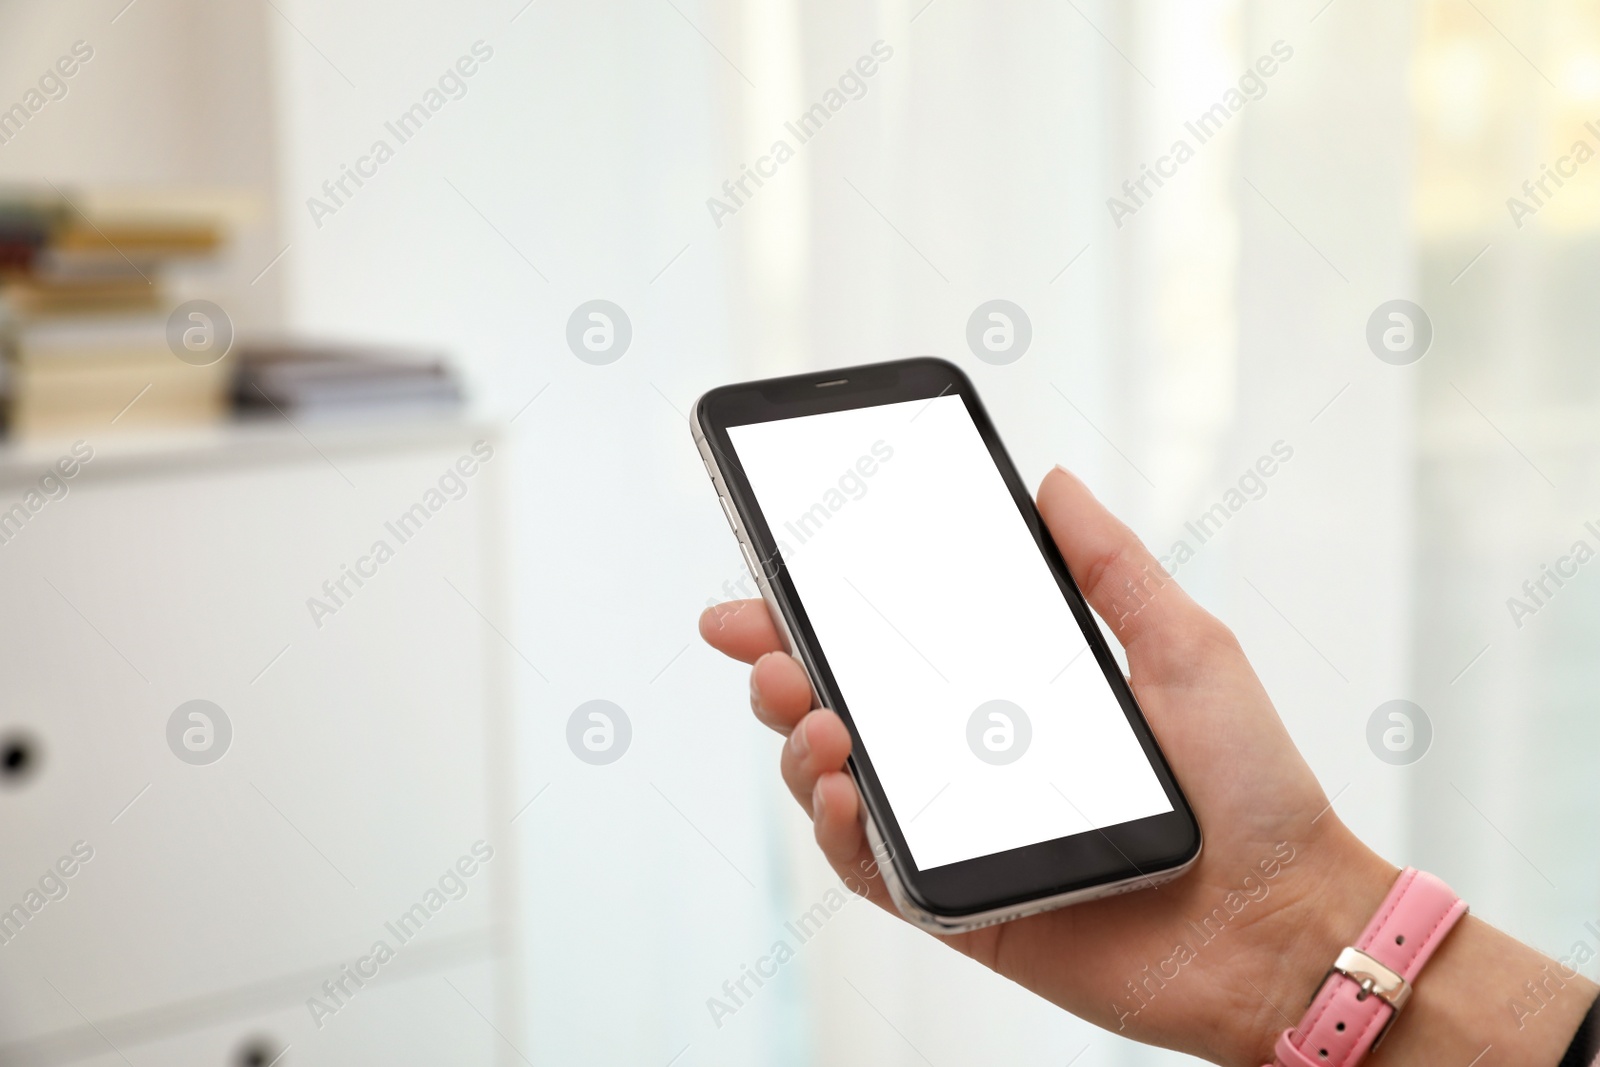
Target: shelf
267, 439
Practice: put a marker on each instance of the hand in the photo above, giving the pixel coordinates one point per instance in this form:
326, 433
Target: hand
1115, 962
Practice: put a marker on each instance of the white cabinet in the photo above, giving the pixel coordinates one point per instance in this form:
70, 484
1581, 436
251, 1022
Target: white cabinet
362, 794
432, 1019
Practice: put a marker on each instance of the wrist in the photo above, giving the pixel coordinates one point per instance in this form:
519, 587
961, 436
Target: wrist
1319, 906
1325, 907
1482, 988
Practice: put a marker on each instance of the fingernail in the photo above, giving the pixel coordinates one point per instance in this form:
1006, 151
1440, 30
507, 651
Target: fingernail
799, 743
755, 692
818, 804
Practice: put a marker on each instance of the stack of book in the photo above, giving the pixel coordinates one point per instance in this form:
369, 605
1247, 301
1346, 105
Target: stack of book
83, 319
303, 380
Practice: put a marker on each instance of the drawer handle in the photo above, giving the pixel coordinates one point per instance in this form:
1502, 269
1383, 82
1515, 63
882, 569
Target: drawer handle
19, 758
259, 1052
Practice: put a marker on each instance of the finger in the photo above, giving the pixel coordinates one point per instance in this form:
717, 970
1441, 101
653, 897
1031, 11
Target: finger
836, 818
1123, 582
741, 629
780, 692
819, 745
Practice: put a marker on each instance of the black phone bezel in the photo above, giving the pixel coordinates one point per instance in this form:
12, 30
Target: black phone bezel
1141, 848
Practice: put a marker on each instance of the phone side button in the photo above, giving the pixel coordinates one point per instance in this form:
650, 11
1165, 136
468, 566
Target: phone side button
727, 509
750, 561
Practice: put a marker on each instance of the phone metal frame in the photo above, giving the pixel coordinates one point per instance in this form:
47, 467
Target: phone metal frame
901, 876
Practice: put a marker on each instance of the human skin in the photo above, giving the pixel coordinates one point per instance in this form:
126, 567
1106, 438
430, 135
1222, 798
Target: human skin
1252, 791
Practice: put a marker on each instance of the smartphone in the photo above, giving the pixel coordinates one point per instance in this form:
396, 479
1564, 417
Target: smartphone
1004, 766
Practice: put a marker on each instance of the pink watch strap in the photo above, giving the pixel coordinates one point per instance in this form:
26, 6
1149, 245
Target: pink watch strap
1371, 980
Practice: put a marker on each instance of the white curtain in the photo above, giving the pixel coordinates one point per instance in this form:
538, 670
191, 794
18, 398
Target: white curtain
1508, 443
1169, 353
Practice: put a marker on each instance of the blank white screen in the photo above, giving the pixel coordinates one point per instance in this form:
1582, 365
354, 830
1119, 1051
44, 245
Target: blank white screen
929, 598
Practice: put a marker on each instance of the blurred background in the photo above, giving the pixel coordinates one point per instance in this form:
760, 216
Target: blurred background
331, 502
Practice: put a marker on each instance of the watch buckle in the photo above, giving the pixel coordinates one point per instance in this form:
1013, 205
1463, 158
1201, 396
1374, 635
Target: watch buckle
1375, 980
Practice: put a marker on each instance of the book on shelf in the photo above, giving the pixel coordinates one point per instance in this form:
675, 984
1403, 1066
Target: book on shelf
123, 394
27, 219
84, 333
83, 318
312, 379
45, 220
36, 295
104, 371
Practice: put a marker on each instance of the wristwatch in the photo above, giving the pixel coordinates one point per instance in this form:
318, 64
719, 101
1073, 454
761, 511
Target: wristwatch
1370, 982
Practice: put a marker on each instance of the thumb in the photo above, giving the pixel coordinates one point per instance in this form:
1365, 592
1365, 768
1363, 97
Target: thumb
1123, 582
